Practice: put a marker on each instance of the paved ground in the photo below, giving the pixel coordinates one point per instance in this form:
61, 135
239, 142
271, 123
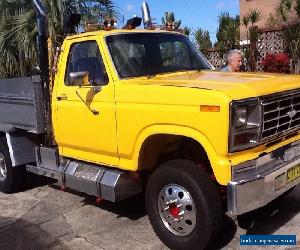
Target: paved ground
45, 218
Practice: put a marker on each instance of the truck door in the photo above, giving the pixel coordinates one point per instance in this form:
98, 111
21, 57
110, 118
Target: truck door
84, 116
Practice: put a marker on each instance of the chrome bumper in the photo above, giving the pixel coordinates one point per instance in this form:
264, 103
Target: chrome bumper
257, 182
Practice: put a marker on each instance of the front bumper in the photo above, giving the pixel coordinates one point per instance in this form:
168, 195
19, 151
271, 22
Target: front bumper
257, 182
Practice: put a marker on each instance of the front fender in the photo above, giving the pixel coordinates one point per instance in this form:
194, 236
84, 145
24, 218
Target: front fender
220, 164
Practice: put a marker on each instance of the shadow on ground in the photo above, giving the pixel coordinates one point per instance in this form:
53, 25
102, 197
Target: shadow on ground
23, 235
266, 220
273, 216
132, 208
34, 181
226, 234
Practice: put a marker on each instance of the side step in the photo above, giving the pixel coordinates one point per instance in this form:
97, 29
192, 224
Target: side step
100, 181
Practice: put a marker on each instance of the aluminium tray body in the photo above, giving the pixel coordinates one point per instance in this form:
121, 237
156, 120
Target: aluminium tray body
22, 105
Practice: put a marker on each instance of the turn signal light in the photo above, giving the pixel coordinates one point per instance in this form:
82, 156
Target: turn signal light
209, 108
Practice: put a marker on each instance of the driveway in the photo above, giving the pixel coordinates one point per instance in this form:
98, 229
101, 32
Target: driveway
43, 217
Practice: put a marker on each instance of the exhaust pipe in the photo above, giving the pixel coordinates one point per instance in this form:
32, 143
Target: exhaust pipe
146, 16
42, 40
44, 61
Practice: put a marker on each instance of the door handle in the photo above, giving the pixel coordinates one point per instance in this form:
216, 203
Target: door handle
62, 97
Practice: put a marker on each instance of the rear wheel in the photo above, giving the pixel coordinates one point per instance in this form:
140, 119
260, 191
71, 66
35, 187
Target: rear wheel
183, 205
11, 178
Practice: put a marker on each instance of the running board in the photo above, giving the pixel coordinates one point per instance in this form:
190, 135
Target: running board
107, 183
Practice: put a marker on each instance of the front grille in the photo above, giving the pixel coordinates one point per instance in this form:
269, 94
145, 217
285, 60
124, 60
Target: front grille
281, 113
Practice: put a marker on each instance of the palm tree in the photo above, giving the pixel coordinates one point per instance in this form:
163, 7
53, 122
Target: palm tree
291, 33
187, 31
228, 34
286, 6
255, 16
202, 39
246, 21
169, 21
18, 28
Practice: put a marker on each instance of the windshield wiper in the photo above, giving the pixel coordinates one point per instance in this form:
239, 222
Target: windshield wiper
151, 76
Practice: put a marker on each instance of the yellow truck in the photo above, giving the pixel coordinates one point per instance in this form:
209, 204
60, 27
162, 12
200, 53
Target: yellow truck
135, 111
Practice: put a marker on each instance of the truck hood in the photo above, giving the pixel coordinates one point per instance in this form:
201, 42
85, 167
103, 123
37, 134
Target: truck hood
235, 85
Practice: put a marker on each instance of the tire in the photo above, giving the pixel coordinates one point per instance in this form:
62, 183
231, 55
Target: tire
11, 178
200, 202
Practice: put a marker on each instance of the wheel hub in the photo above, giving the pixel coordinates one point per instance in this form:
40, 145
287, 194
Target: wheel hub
174, 210
177, 210
3, 170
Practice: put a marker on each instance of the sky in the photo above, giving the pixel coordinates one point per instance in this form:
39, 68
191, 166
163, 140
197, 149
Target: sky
193, 13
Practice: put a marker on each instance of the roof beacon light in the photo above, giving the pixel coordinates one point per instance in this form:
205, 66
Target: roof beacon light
109, 24
133, 23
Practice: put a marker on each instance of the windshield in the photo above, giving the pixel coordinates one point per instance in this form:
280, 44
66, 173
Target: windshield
142, 54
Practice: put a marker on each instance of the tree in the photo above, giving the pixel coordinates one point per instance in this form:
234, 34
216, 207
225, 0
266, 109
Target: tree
18, 28
246, 21
291, 29
228, 33
170, 22
255, 16
187, 31
287, 6
202, 39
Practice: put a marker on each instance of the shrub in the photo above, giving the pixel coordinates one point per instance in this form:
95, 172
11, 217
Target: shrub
276, 63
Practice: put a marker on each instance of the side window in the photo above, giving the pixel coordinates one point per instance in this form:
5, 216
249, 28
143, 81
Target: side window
85, 56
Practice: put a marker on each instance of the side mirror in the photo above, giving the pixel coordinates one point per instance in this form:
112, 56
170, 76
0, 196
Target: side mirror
79, 78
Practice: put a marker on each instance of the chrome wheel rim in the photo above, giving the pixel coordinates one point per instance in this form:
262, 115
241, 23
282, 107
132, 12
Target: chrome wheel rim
177, 210
3, 169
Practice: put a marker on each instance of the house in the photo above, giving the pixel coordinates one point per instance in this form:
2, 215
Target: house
267, 7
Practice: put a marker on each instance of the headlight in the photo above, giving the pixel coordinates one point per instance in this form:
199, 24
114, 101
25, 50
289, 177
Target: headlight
245, 124
240, 117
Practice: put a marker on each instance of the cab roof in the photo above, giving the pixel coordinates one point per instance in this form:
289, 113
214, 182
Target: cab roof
118, 31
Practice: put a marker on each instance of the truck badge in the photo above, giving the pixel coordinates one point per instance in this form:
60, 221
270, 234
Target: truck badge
292, 113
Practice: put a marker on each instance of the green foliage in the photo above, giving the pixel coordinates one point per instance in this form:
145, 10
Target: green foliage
287, 6
18, 28
246, 20
273, 21
228, 34
168, 18
202, 39
297, 7
254, 33
255, 16
291, 35
252, 17
284, 8
187, 31
291, 32
170, 21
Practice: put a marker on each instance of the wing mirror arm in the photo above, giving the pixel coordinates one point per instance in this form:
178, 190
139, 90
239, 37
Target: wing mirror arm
81, 79
94, 112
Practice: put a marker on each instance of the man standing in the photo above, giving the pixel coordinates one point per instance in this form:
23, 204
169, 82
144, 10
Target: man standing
234, 60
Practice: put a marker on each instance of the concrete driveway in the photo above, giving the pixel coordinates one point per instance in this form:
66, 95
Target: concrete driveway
43, 217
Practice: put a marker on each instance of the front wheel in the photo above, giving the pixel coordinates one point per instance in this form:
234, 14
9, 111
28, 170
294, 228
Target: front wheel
183, 205
11, 178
